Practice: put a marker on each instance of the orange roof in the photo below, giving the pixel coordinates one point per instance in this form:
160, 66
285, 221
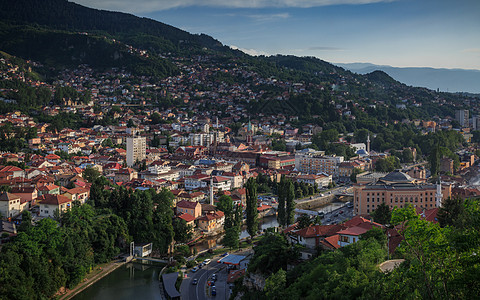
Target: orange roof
54, 199
320, 230
331, 241
187, 204
187, 217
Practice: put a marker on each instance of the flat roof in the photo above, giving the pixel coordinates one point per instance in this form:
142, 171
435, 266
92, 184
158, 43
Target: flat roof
232, 259
169, 281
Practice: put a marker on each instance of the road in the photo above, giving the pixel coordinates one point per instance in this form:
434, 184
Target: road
338, 215
201, 291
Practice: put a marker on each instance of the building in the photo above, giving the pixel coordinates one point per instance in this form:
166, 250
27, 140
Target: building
462, 116
10, 205
187, 207
136, 150
398, 189
50, 203
313, 162
320, 181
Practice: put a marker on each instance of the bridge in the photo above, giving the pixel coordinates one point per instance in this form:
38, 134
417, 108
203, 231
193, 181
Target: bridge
151, 259
308, 212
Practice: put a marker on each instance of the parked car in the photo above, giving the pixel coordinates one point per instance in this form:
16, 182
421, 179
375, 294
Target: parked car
341, 212
214, 291
224, 254
207, 261
195, 269
214, 277
195, 281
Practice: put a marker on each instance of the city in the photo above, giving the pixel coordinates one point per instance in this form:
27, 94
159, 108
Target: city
174, 167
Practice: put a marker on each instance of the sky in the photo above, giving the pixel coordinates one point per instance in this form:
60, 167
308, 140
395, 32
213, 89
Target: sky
400, 33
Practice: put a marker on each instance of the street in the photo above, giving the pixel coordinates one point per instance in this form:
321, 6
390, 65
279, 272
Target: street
201, 290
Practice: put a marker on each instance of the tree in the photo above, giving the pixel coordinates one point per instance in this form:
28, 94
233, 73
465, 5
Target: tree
275, 285
382, 214
303, 221
252, 212
407, 155
26, 221
281, 213
434, 160
387, 164
183, 231
91, 174
290, 199
231, 237
452, 212
353, 176
272, 253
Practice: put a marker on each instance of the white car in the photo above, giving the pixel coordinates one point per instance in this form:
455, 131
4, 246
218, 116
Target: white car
207, 261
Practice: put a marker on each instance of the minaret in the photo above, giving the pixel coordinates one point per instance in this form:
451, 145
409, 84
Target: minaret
249, 133
211, 190
368, 144
438, 195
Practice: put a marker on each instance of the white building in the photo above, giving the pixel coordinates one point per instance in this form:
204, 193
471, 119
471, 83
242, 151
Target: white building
136, 150
462, 116
10, 205
310, 161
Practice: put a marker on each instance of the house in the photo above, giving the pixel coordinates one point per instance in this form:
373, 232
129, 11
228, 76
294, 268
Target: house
49, 189
50, 203
196, 181
212, 221
78, 194
125, 174
312, 236
10, 172
26, 194
192, 208
10, 205
320, 181
188, 218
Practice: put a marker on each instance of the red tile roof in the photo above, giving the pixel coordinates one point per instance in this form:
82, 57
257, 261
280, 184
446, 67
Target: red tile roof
331, 242
355, 230
187, 217
188, 204
54, 199
320, 230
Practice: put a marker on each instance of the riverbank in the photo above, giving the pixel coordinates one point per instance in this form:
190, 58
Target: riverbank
98, 273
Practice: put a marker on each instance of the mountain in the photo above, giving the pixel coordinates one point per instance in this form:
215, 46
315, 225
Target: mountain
64, 15
451, 80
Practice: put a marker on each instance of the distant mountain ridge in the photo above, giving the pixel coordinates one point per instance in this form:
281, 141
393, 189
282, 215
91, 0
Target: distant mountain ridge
451, 80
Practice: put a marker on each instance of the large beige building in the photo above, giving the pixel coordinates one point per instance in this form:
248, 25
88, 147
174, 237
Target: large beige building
398, 189
314, 162
136, 150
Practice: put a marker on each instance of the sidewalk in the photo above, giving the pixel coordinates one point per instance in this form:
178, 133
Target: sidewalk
98, 273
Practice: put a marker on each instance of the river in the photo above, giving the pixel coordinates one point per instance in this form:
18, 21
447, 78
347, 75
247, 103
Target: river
130, 281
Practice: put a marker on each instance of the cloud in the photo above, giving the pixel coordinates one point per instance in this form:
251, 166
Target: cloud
146, 6
472, 50
323, 48
252, 52
268, 17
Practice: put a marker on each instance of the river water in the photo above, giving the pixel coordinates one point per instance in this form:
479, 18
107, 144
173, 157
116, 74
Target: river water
130, 281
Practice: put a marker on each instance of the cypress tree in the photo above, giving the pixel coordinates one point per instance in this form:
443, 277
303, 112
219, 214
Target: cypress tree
252, 212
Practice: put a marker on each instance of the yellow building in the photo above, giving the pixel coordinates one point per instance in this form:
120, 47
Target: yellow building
398, 189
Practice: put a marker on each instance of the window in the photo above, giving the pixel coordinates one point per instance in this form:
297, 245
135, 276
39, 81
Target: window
344, 239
